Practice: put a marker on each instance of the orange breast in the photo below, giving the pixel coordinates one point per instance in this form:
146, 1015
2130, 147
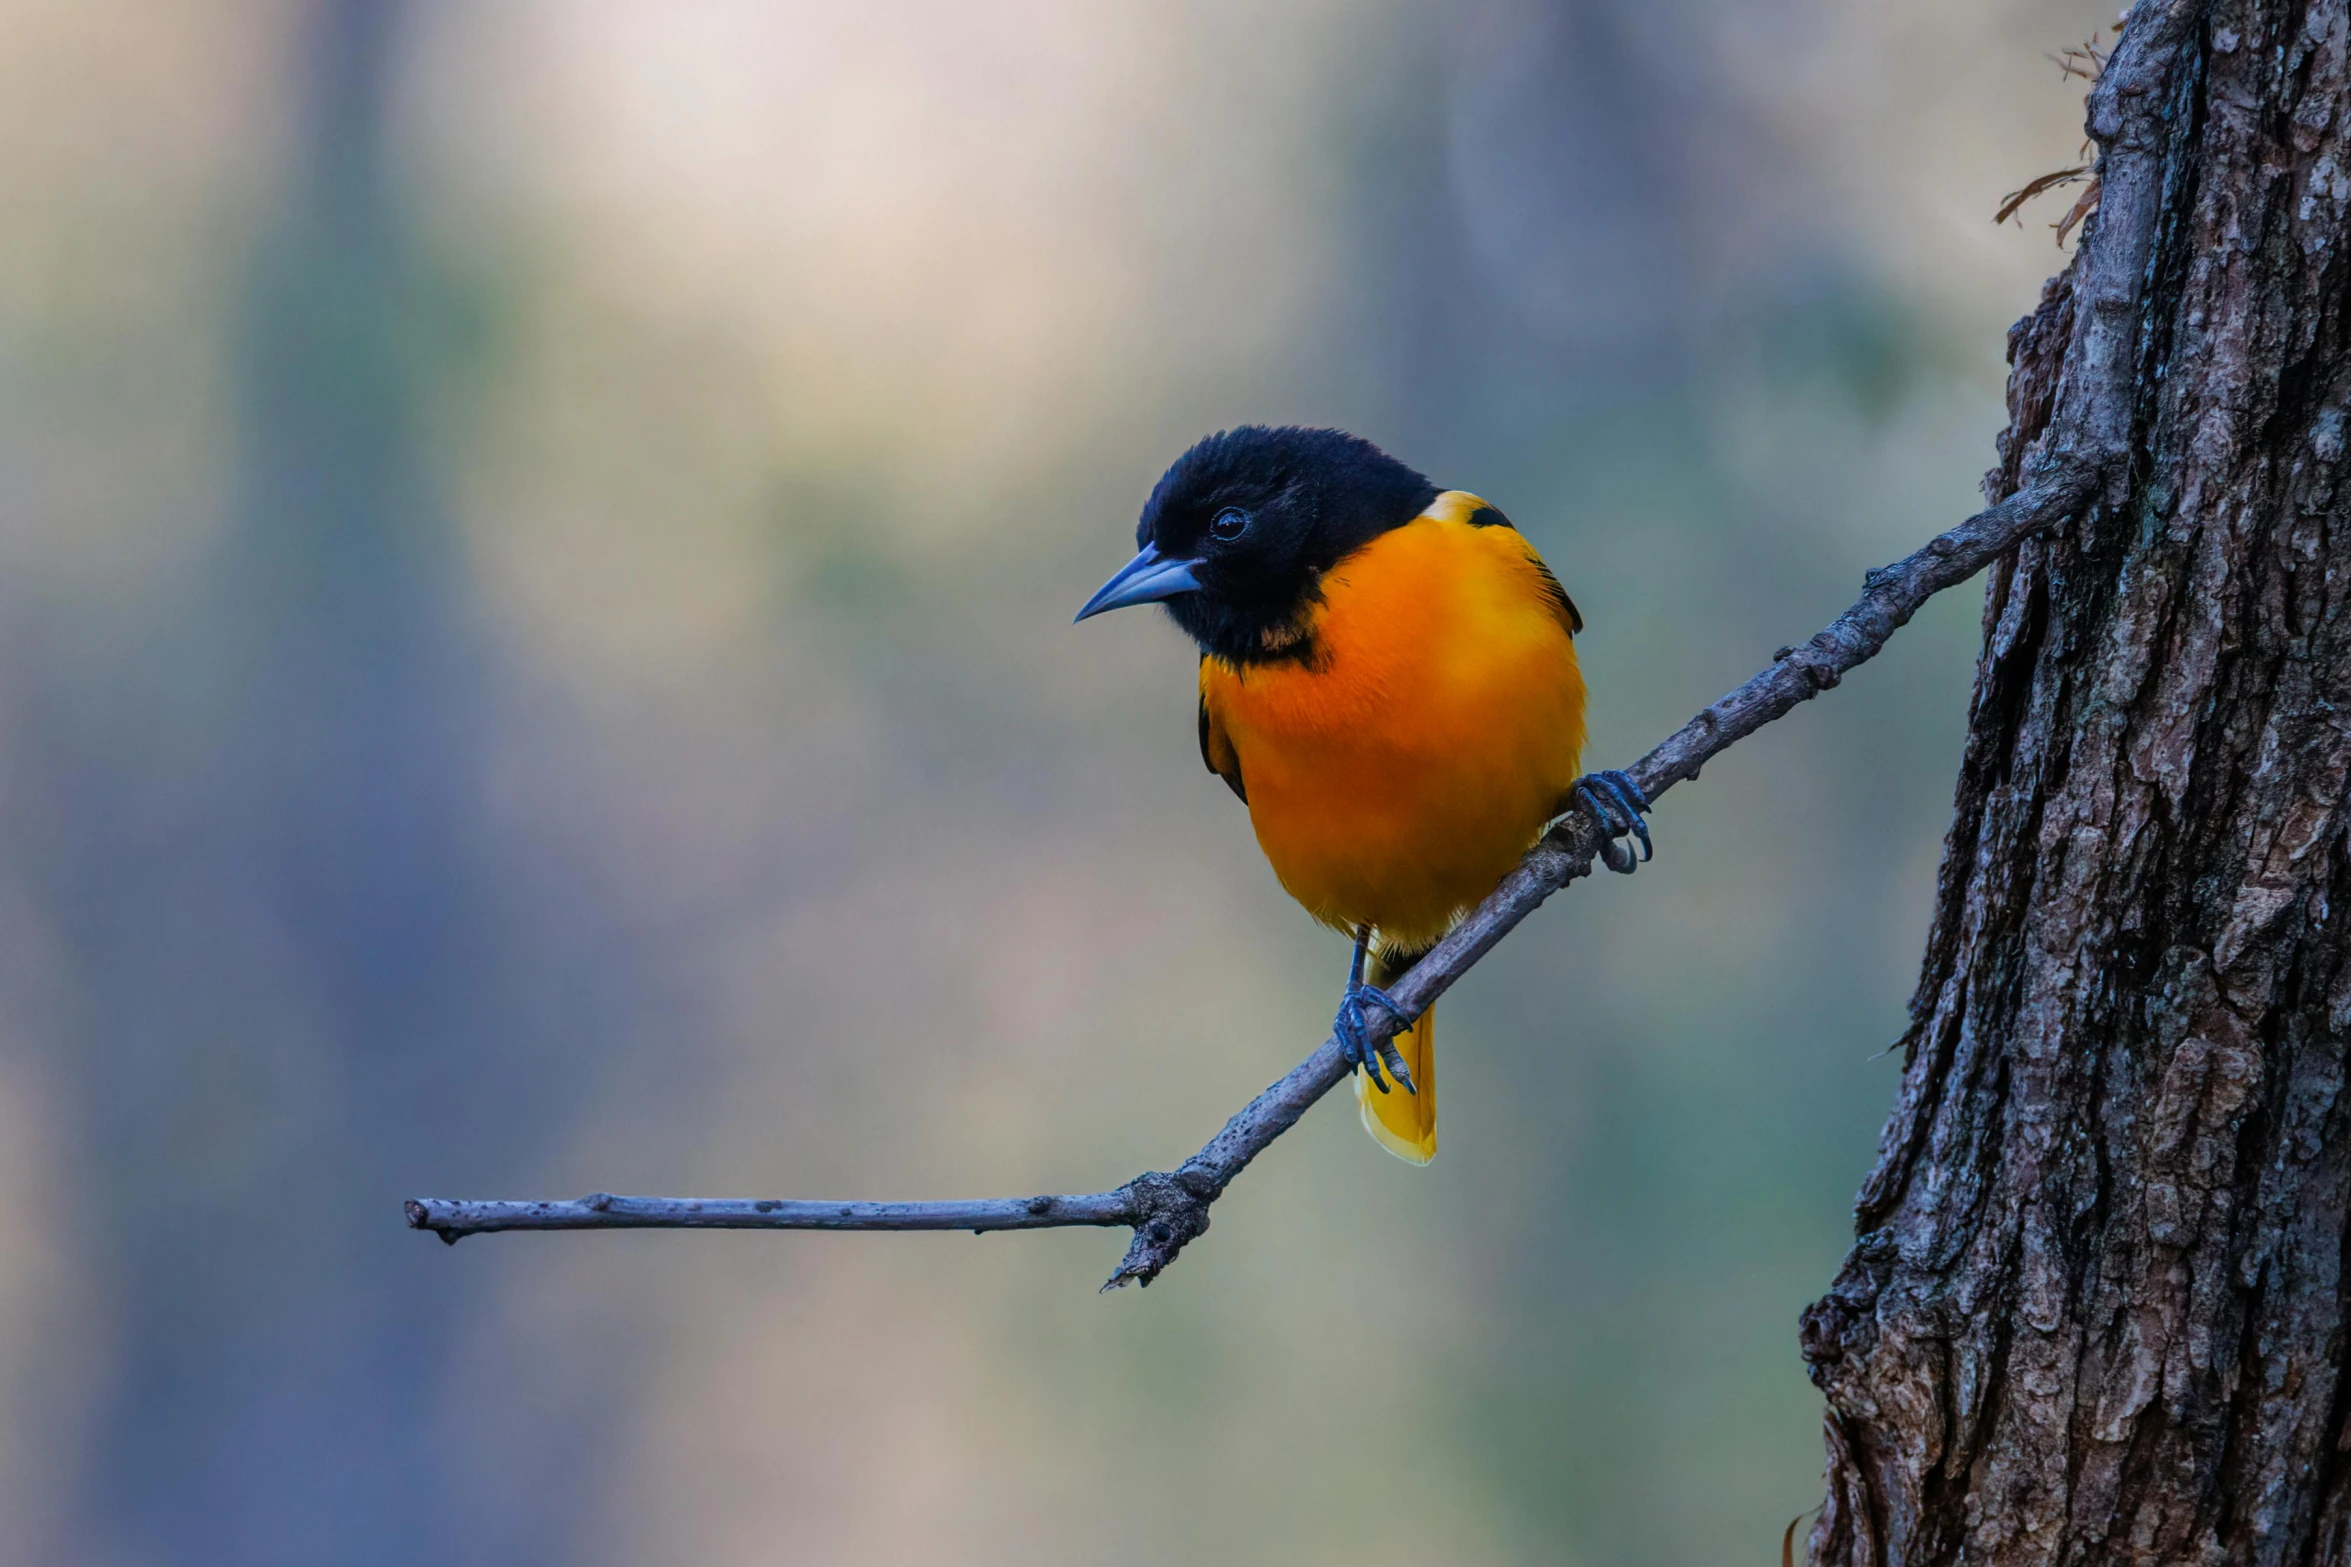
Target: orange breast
1395, 780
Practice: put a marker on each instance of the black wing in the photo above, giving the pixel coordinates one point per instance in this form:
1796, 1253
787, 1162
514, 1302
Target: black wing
1219, 754
1561, 604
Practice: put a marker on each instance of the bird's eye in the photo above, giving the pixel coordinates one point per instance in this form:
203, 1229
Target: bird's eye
1230, 523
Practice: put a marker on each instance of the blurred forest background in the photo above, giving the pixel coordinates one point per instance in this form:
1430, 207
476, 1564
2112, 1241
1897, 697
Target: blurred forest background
536, 552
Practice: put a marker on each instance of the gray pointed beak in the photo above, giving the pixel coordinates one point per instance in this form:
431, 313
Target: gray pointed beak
1146, 579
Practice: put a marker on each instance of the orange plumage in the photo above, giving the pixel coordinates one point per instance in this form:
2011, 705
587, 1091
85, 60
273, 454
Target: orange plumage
1388, 678
1396, 778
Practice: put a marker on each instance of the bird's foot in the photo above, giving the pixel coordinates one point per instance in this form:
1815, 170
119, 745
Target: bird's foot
1618, 804
1353, 1026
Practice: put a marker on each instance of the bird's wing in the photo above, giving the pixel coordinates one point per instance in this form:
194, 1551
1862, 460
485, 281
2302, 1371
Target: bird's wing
1216, 747
1561, 604
1485, 515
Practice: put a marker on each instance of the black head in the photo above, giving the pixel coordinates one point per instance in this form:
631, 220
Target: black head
1237, 534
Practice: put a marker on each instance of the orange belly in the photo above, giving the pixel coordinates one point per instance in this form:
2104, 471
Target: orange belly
1399, 776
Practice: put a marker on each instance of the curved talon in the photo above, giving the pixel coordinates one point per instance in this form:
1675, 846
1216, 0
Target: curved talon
1367, 1060
1387, 1047
1396, 1067
1354, 1031
1349, 1026
1628, 793
1617, 804
1604, 808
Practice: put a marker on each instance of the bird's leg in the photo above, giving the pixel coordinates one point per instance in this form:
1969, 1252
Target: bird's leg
1353, 1025
1618, 804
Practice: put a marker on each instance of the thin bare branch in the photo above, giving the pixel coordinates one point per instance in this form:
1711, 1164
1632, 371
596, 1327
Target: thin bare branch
1168, 1210
2083, 458
603, 1211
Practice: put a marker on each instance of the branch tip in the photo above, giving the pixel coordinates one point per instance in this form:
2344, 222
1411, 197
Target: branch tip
1167, 1212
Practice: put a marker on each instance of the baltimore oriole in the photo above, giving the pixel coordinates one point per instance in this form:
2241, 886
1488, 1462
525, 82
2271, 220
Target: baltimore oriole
1388, 680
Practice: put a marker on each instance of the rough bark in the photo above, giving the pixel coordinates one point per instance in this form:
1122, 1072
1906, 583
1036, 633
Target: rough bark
2095, 1308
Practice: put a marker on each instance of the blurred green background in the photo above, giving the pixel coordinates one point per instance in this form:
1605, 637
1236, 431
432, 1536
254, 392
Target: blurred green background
536, 552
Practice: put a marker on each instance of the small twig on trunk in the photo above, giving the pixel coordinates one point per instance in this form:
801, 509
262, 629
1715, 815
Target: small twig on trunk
2083, 206
2014, 201
1167, 1210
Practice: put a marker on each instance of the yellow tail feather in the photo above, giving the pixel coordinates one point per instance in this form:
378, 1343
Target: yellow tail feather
1403, 1123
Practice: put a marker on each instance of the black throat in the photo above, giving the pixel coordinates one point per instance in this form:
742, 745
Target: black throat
1244, 634
1311, 497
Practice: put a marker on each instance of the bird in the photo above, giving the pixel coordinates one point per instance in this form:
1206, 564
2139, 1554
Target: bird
1388, 681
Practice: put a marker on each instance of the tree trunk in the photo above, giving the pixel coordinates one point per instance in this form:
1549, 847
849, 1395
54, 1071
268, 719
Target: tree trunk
2095, 1311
